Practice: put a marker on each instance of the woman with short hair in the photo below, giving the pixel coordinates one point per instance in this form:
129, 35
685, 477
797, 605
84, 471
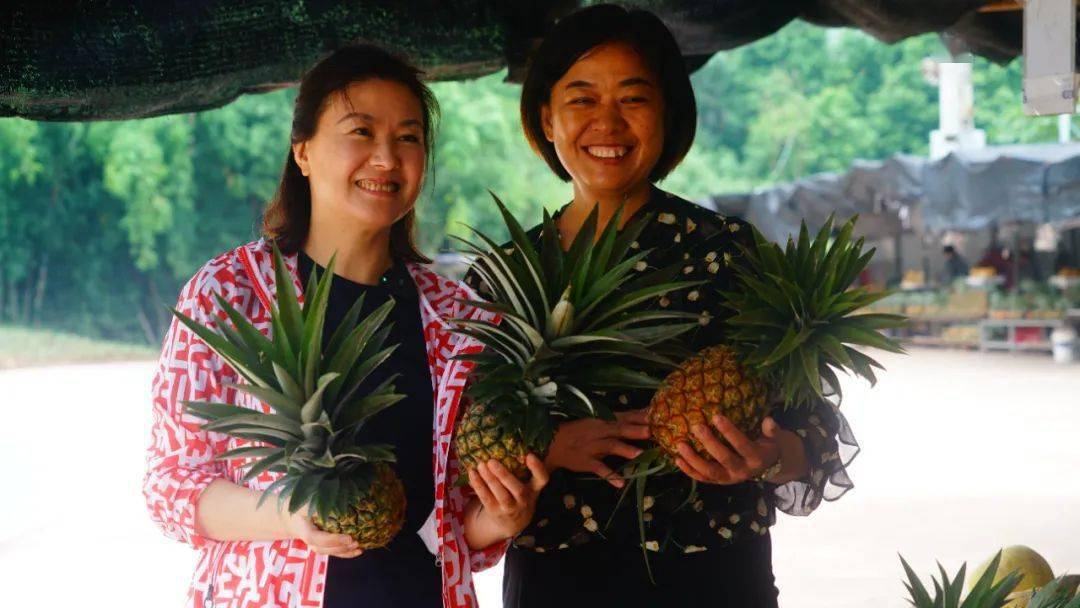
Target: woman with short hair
608, 104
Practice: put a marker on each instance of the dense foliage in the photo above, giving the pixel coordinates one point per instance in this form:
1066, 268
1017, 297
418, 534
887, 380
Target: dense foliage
100, 223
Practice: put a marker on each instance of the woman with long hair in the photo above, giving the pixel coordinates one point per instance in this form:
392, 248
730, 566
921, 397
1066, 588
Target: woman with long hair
361, 141
607, 103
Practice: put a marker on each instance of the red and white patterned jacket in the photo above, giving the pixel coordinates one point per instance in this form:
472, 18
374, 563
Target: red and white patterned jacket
180, 463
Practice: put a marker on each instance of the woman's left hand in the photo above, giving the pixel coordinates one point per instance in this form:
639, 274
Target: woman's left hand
748, 459
508, 503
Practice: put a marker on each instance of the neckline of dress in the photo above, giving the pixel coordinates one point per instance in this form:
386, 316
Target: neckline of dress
385, 281
655, 196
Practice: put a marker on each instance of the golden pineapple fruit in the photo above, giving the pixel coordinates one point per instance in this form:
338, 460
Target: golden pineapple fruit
713, 381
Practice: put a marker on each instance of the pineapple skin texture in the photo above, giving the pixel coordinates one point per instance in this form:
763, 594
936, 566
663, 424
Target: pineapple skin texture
713, 381
479, 438
377, 517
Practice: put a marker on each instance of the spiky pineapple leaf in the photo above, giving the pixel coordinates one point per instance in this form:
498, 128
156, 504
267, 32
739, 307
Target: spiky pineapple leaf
275, 460
1055, 594
367, 453
248, 452
281, 403
305, 489
209, 411
360, 373
524, 246
280, 488
314, 315
256, 421
367, 407
631, 299
291, 320
551, 254
250, 337
240, 361
311, 410
344, 333
795, 317
325, 498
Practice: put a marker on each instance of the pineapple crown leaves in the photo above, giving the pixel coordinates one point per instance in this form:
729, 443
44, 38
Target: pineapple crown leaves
559, 307
795, 320
318, 409
1055, 594
984, 593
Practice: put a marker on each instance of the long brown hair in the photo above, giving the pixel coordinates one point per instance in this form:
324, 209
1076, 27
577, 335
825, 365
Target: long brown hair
287, 218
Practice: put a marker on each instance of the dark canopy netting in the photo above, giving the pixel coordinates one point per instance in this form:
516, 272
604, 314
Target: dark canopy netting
107, 59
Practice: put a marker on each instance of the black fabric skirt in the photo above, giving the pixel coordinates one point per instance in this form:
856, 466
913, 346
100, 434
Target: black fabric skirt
601, 574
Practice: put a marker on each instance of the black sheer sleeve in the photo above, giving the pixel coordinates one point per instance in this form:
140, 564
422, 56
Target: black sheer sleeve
827, 437
830, 447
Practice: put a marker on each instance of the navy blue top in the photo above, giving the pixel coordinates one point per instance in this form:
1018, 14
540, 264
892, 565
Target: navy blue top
403, 575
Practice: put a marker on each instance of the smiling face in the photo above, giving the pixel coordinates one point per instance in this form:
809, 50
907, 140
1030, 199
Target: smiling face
606, 121
365, 163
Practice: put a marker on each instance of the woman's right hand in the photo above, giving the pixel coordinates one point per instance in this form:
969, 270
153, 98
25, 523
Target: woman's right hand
581, 445
299, 526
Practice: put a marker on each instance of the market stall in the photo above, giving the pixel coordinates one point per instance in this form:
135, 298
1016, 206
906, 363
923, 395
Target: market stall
997, 200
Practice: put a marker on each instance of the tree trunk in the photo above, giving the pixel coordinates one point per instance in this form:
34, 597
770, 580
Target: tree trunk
13, 300
161, 319
145, 285
28, 301
148, 329
39, 296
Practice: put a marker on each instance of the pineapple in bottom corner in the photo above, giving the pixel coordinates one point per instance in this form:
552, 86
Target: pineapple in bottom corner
984, 593
795, 325
994, 586
310, 439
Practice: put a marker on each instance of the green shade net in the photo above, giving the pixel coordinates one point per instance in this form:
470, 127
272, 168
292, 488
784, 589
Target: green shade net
106, 59
115, 60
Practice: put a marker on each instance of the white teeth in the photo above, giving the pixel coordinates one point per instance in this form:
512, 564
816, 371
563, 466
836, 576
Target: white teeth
377, 186
608, 151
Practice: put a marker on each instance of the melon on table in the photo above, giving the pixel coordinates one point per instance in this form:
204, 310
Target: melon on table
1031, 565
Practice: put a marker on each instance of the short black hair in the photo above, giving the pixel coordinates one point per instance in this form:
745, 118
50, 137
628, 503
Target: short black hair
949, 249
577, 34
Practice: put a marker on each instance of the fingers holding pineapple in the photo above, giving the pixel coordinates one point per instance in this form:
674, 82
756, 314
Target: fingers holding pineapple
299, 526
582, 445
740, 459
504, 504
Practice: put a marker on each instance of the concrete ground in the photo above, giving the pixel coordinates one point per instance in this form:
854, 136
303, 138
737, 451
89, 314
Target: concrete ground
962, 453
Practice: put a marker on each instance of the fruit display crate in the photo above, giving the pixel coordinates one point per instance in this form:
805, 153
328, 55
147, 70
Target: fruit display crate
1020, 334
945, 330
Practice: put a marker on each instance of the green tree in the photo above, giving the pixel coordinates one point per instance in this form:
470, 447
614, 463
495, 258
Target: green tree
100, 223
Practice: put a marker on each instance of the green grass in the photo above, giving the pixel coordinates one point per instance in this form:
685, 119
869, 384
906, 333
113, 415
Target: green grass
29, 347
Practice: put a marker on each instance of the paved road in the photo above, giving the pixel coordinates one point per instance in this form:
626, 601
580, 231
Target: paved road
962, 453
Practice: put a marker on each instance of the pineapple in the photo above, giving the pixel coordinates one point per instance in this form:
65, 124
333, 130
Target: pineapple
567, 334
985, 593
1058, 593
310, 438
713, 381
481, 437
792, 328
992, 589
